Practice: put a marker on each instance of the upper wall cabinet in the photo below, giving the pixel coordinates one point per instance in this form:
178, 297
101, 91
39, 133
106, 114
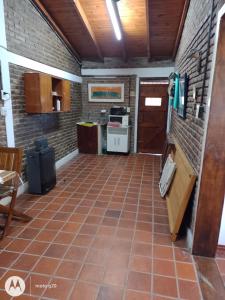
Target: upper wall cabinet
46, 94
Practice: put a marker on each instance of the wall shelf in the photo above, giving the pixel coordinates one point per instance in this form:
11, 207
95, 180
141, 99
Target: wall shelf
41, 92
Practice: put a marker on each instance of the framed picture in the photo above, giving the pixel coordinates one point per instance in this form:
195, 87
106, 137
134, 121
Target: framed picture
105, 92
183, 95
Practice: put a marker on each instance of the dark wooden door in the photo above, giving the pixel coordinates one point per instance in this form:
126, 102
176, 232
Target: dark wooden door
152, 118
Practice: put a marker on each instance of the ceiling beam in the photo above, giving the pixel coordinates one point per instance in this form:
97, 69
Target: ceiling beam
49, 19
122, 41
148, 30
181, 27
80, 12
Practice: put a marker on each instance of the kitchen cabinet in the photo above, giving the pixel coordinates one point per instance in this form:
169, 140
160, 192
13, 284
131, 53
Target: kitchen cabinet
87, 138
118, 139
46, 94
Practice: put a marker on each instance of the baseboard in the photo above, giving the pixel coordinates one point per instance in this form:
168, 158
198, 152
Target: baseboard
66, 159
23, 188
189, 239
220, 252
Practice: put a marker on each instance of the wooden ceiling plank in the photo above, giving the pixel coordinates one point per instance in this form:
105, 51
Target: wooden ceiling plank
181, 27
148, 30
123, 44
84, 20
43, 11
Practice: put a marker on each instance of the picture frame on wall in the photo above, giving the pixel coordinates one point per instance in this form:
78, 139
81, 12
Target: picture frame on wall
106, 92
183, 96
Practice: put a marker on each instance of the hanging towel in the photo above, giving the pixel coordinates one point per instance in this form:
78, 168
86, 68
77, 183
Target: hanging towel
177, 92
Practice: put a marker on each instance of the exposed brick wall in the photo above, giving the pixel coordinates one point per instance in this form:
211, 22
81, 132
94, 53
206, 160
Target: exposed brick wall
92, 110
189, 133
136, 62
58, 128
29, 35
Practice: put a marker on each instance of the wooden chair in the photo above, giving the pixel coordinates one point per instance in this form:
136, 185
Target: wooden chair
10, 160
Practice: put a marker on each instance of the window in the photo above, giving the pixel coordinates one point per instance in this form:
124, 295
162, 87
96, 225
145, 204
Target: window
153, 101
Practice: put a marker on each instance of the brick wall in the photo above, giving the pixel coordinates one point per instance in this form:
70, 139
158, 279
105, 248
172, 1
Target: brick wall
58, 128
136, 62
189, 132
92, 110
29, 35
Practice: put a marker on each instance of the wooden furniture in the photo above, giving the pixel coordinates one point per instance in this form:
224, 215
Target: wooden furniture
10, 160
180, 191
42, 92
87, 139
118, 139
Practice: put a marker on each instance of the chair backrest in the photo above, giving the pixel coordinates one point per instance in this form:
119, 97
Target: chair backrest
11, 159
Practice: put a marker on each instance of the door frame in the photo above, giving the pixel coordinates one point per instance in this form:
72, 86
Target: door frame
160, 81
209, 213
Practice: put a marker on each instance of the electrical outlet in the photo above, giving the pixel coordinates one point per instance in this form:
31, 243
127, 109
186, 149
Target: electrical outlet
5, 96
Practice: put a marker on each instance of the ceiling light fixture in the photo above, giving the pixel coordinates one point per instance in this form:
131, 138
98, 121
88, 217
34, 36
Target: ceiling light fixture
114, 18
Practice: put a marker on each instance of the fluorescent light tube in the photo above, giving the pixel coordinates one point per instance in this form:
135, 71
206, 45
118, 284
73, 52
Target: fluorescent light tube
114, 19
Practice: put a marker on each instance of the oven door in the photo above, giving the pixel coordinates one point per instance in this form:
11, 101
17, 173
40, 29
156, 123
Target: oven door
118, 119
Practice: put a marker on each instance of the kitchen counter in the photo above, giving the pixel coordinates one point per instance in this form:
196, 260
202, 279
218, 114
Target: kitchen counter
90, 137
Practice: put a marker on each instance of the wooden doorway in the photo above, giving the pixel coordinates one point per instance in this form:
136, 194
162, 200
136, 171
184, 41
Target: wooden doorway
212, 181
152, 117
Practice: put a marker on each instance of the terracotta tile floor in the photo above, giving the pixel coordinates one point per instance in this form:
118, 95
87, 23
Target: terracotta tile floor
102, 233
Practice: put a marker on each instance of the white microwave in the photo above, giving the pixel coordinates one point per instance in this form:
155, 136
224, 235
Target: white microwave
122, 119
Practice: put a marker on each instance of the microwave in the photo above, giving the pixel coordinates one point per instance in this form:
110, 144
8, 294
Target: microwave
123, 120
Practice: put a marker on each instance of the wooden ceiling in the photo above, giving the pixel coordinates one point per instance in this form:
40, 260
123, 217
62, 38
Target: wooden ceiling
150, 28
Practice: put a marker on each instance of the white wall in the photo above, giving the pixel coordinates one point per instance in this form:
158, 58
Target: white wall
222, 228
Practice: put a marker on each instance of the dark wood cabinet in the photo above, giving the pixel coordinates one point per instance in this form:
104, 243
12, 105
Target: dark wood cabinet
87, 139
42, 91
66, 95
